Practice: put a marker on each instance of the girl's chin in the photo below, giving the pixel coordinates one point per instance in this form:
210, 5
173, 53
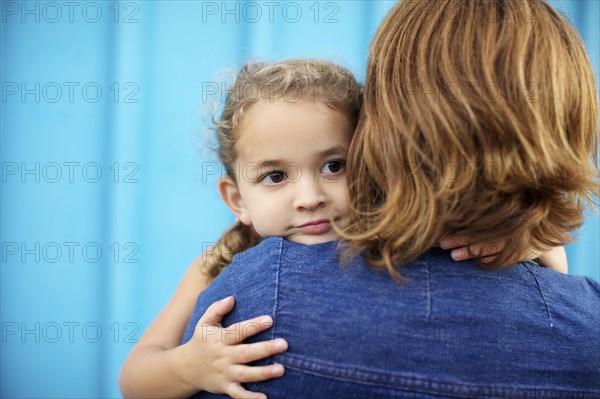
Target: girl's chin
313, 239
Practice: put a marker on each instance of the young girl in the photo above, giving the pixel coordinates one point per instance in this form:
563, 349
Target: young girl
283, 137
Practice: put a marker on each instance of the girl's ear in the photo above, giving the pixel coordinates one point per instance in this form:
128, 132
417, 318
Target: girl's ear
232, 198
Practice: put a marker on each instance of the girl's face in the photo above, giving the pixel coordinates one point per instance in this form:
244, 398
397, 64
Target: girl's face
290, 168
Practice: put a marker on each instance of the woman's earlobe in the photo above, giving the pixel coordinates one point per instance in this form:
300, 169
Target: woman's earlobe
233, 199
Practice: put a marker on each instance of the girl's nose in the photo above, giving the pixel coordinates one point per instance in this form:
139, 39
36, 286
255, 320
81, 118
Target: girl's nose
309, 195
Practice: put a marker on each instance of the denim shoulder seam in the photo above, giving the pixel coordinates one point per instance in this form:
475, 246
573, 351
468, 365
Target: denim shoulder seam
276, 301
428, 287
539, 287
279, 252
423, 384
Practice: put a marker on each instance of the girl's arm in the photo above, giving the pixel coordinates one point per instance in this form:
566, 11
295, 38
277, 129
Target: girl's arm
158, 367
555, 259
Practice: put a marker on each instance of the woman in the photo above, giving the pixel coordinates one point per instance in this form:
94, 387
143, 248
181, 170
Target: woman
480, 119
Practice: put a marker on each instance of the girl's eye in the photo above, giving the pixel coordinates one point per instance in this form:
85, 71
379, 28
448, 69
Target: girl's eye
273, 178
333, 167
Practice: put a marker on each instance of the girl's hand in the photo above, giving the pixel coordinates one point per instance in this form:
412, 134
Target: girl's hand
464, 248
216, 358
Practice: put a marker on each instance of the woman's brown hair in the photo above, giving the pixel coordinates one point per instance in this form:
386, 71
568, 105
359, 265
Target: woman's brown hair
480, 117
290, 80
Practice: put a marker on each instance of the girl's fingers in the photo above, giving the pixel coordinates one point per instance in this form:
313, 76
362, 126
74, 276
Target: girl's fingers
246, 374
247, 353
215, 312
237, 391
482, 251
238, 332
488, 259
457, 241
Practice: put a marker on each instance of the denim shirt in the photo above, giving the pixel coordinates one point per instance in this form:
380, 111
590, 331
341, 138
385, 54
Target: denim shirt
449, 329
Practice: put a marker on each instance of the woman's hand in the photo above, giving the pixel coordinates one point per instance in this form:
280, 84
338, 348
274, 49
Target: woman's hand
464, 248
215, 359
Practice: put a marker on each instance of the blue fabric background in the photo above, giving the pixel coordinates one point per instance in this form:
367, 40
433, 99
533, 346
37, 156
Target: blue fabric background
108, 191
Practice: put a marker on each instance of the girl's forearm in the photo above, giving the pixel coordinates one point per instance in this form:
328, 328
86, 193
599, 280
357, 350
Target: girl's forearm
155, 372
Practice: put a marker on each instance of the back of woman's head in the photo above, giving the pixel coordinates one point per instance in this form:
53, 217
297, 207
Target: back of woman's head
479, 117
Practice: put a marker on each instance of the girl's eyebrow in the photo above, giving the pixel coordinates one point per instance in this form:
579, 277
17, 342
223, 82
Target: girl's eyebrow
335, 150
270, 162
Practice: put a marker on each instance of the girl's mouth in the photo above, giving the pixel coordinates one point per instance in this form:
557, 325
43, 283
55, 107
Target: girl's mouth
319, 226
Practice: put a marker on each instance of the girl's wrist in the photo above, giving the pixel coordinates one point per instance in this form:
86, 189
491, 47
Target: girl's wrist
178, 365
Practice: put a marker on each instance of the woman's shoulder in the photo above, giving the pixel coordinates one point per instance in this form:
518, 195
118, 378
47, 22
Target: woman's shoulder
267, 251
556, 283
274, 248
270, 246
